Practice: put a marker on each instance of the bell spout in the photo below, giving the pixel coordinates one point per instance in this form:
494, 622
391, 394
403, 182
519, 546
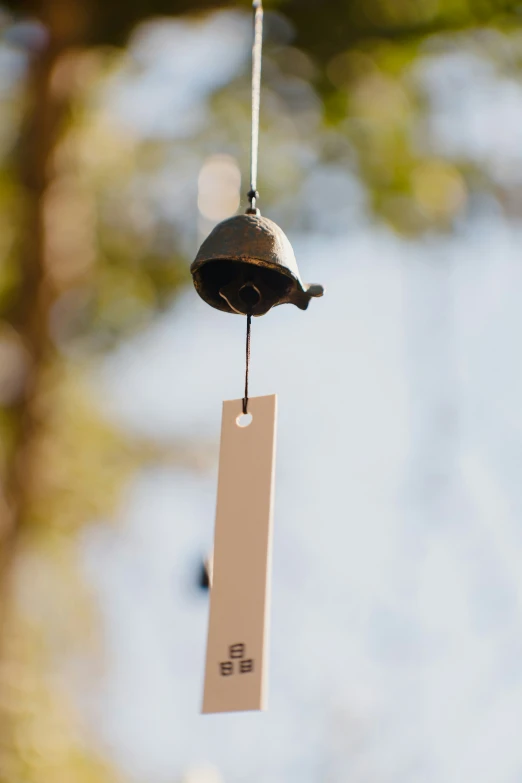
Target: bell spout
301, 297
314, 289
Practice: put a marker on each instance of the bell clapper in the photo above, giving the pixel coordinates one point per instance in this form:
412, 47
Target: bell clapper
249, 294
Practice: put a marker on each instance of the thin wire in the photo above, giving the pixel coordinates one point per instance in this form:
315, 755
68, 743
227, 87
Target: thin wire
253, 195
257, 47
245, 398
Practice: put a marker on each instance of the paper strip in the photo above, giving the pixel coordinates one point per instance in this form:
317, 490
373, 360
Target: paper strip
237, 646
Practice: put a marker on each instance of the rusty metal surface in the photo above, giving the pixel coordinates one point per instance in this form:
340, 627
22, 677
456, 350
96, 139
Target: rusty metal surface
249, 252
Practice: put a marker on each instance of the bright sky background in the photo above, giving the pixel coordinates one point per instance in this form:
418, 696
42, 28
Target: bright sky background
396, 651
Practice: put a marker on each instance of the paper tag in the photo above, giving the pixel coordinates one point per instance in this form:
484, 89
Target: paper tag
237, 646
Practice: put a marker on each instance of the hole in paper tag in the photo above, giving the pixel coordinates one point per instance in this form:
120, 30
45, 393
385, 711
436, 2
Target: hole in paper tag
244, 420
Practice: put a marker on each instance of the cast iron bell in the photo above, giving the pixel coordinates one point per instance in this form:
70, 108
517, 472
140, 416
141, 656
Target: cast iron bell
246, 265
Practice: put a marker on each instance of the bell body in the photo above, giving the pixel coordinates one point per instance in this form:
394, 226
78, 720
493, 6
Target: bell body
246, 265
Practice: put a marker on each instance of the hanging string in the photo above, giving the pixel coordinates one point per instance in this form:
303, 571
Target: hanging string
253, 195
245, 398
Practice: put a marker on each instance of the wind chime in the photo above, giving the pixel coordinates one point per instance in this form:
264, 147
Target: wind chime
245, 266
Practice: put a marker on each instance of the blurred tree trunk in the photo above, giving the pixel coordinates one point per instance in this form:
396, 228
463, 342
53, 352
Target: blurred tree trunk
46, 110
